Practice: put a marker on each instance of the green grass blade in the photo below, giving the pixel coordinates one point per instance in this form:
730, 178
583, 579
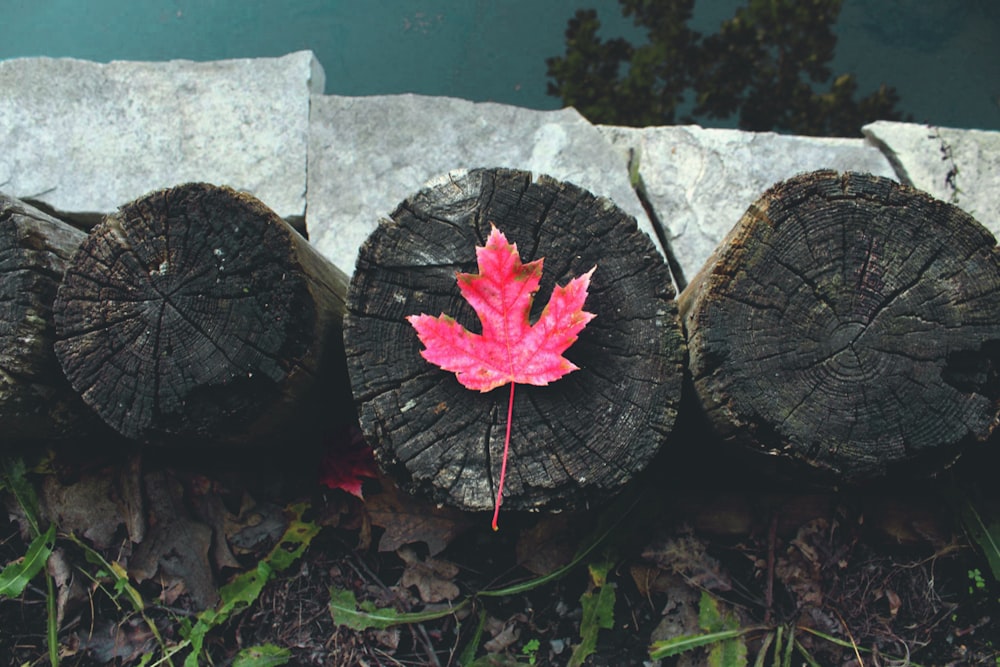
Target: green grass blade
16, 481
347, 612
762, 651
113, 570
16, 576
811, 661
984, 531
677, 645
468, 654
789, 645
265, 655
51, 620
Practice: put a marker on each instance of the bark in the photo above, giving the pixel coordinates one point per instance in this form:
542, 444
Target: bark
36, 401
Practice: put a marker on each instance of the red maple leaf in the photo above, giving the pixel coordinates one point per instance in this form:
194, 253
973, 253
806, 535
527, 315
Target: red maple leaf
347, 461
510, 350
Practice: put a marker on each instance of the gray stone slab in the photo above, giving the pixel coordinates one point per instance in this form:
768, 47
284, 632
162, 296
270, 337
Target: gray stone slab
85, 138
957, 166
368, 154
700, 181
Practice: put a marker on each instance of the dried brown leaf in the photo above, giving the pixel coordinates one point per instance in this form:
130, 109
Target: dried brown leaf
650, 579
799, 568
176, 547
680, 614
257, 527
687, 556
407, 520
176, 554
70, 593
894, 602
546, 546
504, 633
388, 638
432, 578
209, 508
89, 507
122, 642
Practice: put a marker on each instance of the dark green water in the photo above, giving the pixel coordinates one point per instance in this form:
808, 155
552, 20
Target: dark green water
942, 55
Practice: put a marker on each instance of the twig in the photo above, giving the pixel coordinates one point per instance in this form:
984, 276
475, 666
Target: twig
850, 637
428, 645
772, 536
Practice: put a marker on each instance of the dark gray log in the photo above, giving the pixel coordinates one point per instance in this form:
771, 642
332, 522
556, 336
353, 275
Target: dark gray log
851, 324
36, 402
197, 313
576, 440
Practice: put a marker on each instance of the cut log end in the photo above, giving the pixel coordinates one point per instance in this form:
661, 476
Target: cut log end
192, 313
852, 324
576, 440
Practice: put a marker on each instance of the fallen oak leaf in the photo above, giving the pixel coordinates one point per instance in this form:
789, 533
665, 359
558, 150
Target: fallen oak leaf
510, 350
407, 520
433, 579
176, 549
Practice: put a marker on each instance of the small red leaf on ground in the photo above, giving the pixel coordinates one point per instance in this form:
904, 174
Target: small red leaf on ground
348, 462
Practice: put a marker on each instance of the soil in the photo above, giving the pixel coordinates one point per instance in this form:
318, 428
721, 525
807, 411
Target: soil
882, 575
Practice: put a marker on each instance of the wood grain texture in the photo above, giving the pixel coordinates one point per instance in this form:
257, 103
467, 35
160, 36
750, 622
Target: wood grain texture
851, 324
36, 401
197, 313
577, 440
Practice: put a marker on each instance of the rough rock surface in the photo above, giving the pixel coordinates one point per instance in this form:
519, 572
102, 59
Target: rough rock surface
700, 181
85, 137
959, 166
368, 154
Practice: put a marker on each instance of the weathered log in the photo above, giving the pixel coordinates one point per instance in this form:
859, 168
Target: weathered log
576, 440
36, 401
850, 325
197, 313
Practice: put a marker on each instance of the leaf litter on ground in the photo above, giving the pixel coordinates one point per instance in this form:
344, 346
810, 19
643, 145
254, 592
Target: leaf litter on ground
876, 595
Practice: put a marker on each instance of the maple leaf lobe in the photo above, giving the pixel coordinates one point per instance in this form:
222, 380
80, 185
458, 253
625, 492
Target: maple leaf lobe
510, 348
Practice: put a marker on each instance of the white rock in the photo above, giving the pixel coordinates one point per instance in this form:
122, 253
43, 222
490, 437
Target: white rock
86, 137
957, 166
700, 181
368, 154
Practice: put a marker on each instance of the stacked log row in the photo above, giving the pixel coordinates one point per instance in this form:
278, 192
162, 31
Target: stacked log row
847, 323
36, 402
850, 324
576, 440
197, 314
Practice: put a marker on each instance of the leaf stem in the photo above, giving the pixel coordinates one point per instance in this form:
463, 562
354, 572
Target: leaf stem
503, 465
